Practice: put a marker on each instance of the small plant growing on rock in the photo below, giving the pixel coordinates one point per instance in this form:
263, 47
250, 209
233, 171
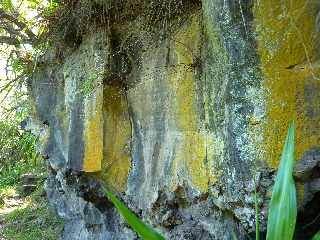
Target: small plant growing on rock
144, 231
317, 236
283, 206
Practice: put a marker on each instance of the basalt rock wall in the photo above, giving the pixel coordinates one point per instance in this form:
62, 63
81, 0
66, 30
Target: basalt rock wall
176, 106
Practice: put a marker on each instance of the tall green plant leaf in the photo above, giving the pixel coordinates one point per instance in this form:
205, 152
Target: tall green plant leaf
317, 236
256, 209
233, 235
283, 206
144, 231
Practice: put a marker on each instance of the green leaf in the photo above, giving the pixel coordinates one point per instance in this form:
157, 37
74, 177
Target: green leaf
317, 236
233, 235
7, 5
283, 206
256, 209
140, 227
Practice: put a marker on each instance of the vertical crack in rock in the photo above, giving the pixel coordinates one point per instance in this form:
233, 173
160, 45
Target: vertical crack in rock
235, 99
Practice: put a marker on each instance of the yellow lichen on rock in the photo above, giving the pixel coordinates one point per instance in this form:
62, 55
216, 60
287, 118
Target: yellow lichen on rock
93, 132
287, 46
117, 131
191, 151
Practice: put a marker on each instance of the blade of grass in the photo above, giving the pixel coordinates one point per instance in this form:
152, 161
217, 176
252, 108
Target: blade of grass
234, 236
317, 236
256, 209
283, 205
144, 231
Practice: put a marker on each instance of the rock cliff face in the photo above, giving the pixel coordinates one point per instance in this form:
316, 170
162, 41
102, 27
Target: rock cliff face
176, 106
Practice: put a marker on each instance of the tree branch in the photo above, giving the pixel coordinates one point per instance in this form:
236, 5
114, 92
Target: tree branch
9, 40
21, 25
14, 41
10, 29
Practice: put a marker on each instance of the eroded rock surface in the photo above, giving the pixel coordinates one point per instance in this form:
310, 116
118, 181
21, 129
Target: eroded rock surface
176, 106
